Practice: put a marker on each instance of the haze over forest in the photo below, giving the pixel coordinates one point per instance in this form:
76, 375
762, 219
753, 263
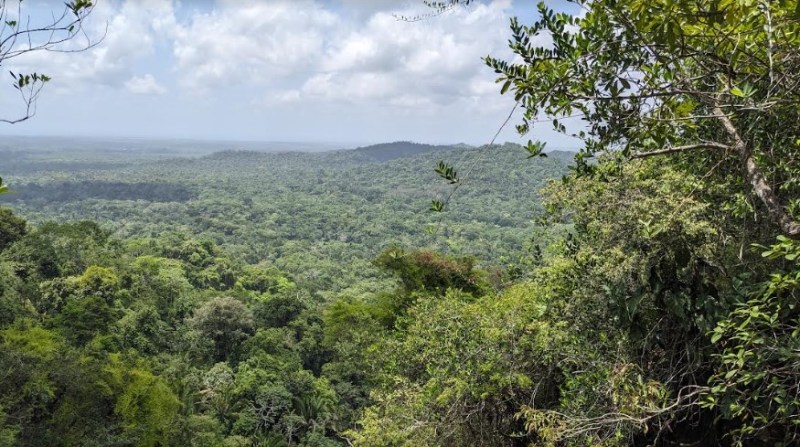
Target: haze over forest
356, 223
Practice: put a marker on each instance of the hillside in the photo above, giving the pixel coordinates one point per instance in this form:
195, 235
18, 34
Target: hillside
399, 149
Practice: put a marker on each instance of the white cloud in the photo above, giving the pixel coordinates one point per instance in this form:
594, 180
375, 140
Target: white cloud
133, 27
432, 62
251, 42
304, 50
378, 5
295, 51
258, 68
144, 85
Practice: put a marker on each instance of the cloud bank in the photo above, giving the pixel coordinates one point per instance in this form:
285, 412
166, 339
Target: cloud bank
272, 57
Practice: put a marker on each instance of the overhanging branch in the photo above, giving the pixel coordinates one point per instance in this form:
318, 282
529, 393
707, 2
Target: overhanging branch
686, 148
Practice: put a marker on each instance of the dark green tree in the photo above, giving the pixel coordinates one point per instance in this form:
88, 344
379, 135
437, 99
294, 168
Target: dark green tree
12, 228
226, 322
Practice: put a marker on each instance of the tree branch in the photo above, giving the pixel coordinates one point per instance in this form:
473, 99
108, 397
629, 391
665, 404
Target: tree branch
754, 175
636, 96
689, 147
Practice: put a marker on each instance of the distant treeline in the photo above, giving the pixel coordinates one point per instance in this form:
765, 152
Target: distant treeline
399, 149
72, 191
34, 166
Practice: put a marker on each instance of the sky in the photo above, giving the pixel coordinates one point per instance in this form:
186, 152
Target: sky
337, 71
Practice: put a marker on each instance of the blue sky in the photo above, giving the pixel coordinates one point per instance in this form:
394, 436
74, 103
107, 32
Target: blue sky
339, 71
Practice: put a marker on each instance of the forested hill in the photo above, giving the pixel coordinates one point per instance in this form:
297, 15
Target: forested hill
398, 149
321, 216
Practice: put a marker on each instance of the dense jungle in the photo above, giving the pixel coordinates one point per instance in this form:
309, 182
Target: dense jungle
639, 289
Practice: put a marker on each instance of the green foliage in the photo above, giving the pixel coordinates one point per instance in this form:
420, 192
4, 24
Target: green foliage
82, 319
687, 79
12, 228
12, 302
472, 372
427, 271
262, 208
279, 310
34, 341
8, 432
119, 353
446, 172
757, 379
249, 311
54, 250
265, 278
98, 281
650, 246
226, 322
161, 283
535, 149
143, 330
144, 402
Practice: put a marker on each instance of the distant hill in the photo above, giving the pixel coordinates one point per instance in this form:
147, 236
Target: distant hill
381, 153
565, 156
399, 149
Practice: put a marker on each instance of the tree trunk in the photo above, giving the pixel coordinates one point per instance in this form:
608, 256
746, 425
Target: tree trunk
754, 175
